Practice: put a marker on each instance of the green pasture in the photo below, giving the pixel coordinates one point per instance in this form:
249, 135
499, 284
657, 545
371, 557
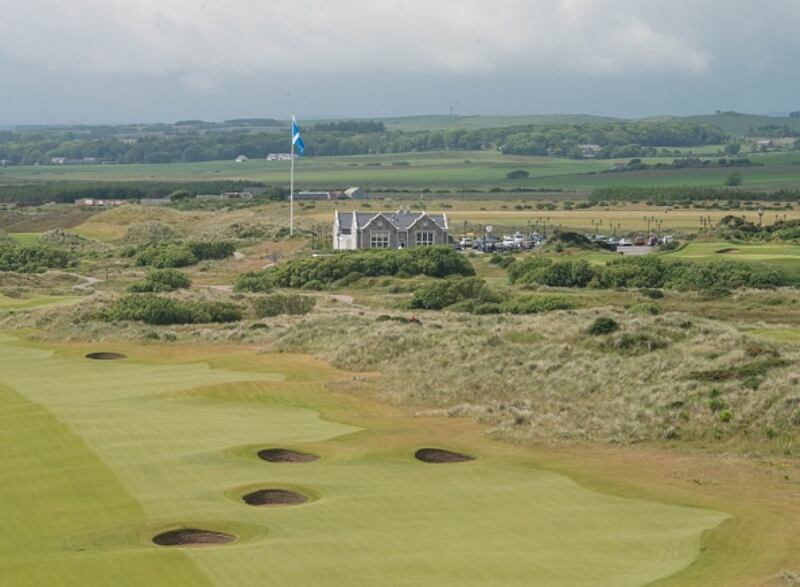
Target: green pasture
97, 456
454, 170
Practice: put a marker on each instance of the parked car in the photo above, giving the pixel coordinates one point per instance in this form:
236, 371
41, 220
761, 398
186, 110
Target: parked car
623, 242
465, 242
487, 245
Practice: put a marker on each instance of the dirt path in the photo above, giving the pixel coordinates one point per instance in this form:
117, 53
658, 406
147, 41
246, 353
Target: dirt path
88, 283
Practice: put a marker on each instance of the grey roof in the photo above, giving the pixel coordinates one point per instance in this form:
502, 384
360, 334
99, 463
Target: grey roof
400, 220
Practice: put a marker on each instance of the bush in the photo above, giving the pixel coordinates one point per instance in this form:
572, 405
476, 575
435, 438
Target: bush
166, 256
533, 304
603, 325
639, 272
153, 309
33, 258
277, 304
653, 294
545, 271
162, 280
441, 294
438, 261
212, 250
647, 308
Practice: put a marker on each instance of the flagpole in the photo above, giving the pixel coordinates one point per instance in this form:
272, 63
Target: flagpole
291, 181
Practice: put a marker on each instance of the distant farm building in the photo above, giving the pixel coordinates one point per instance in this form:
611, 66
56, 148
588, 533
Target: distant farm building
93, 202
388, 230
356, 194
241, 159
350, 194
68, 161
590, 151
154, 201
312, 196
280, 157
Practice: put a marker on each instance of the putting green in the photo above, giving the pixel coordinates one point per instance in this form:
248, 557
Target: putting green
98, 456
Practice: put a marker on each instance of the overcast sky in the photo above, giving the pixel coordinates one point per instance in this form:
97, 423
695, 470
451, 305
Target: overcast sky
97, 61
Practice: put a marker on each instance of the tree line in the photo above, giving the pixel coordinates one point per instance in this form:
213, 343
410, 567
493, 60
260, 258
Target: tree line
613, 139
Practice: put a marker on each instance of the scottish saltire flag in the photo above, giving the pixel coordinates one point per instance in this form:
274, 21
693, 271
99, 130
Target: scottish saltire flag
297, 140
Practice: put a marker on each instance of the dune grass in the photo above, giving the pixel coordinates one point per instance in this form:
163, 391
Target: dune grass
99, 455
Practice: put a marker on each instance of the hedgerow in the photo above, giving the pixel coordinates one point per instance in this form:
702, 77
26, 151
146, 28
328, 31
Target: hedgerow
33, 258
153, 309
438, 261
647, 272
161, 280
173, 255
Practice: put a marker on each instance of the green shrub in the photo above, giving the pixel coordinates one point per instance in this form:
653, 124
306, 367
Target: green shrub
651, 309
203, 251
166, 256
162, 280
277, 304
545, 271
437, 261
153, 309
647, 272
653, 294
603, 325
639, 272
441, 294
534, 304
33, 258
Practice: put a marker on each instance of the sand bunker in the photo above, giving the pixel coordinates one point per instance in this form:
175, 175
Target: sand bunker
105, 356
438, 455
283, 455
274, 497
192, 537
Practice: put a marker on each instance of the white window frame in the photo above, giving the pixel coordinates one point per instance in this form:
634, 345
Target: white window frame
383, 243
428, 240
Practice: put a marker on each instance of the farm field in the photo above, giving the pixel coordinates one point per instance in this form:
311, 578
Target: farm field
168, 438
503, 213
453, 170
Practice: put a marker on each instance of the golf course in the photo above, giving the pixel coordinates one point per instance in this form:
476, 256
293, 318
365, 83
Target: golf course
156, 439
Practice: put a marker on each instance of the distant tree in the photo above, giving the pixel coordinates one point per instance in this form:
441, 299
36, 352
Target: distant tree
158, 157
734, 179
518, 174
178, 195
795, 114
733, 148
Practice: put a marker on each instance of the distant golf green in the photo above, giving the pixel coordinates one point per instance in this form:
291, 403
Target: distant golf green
100, 455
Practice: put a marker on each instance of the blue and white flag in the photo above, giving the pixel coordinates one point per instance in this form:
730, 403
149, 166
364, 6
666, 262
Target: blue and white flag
297, 140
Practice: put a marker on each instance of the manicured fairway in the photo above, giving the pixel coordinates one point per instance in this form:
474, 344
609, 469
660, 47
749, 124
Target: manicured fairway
98, 456
37, 301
